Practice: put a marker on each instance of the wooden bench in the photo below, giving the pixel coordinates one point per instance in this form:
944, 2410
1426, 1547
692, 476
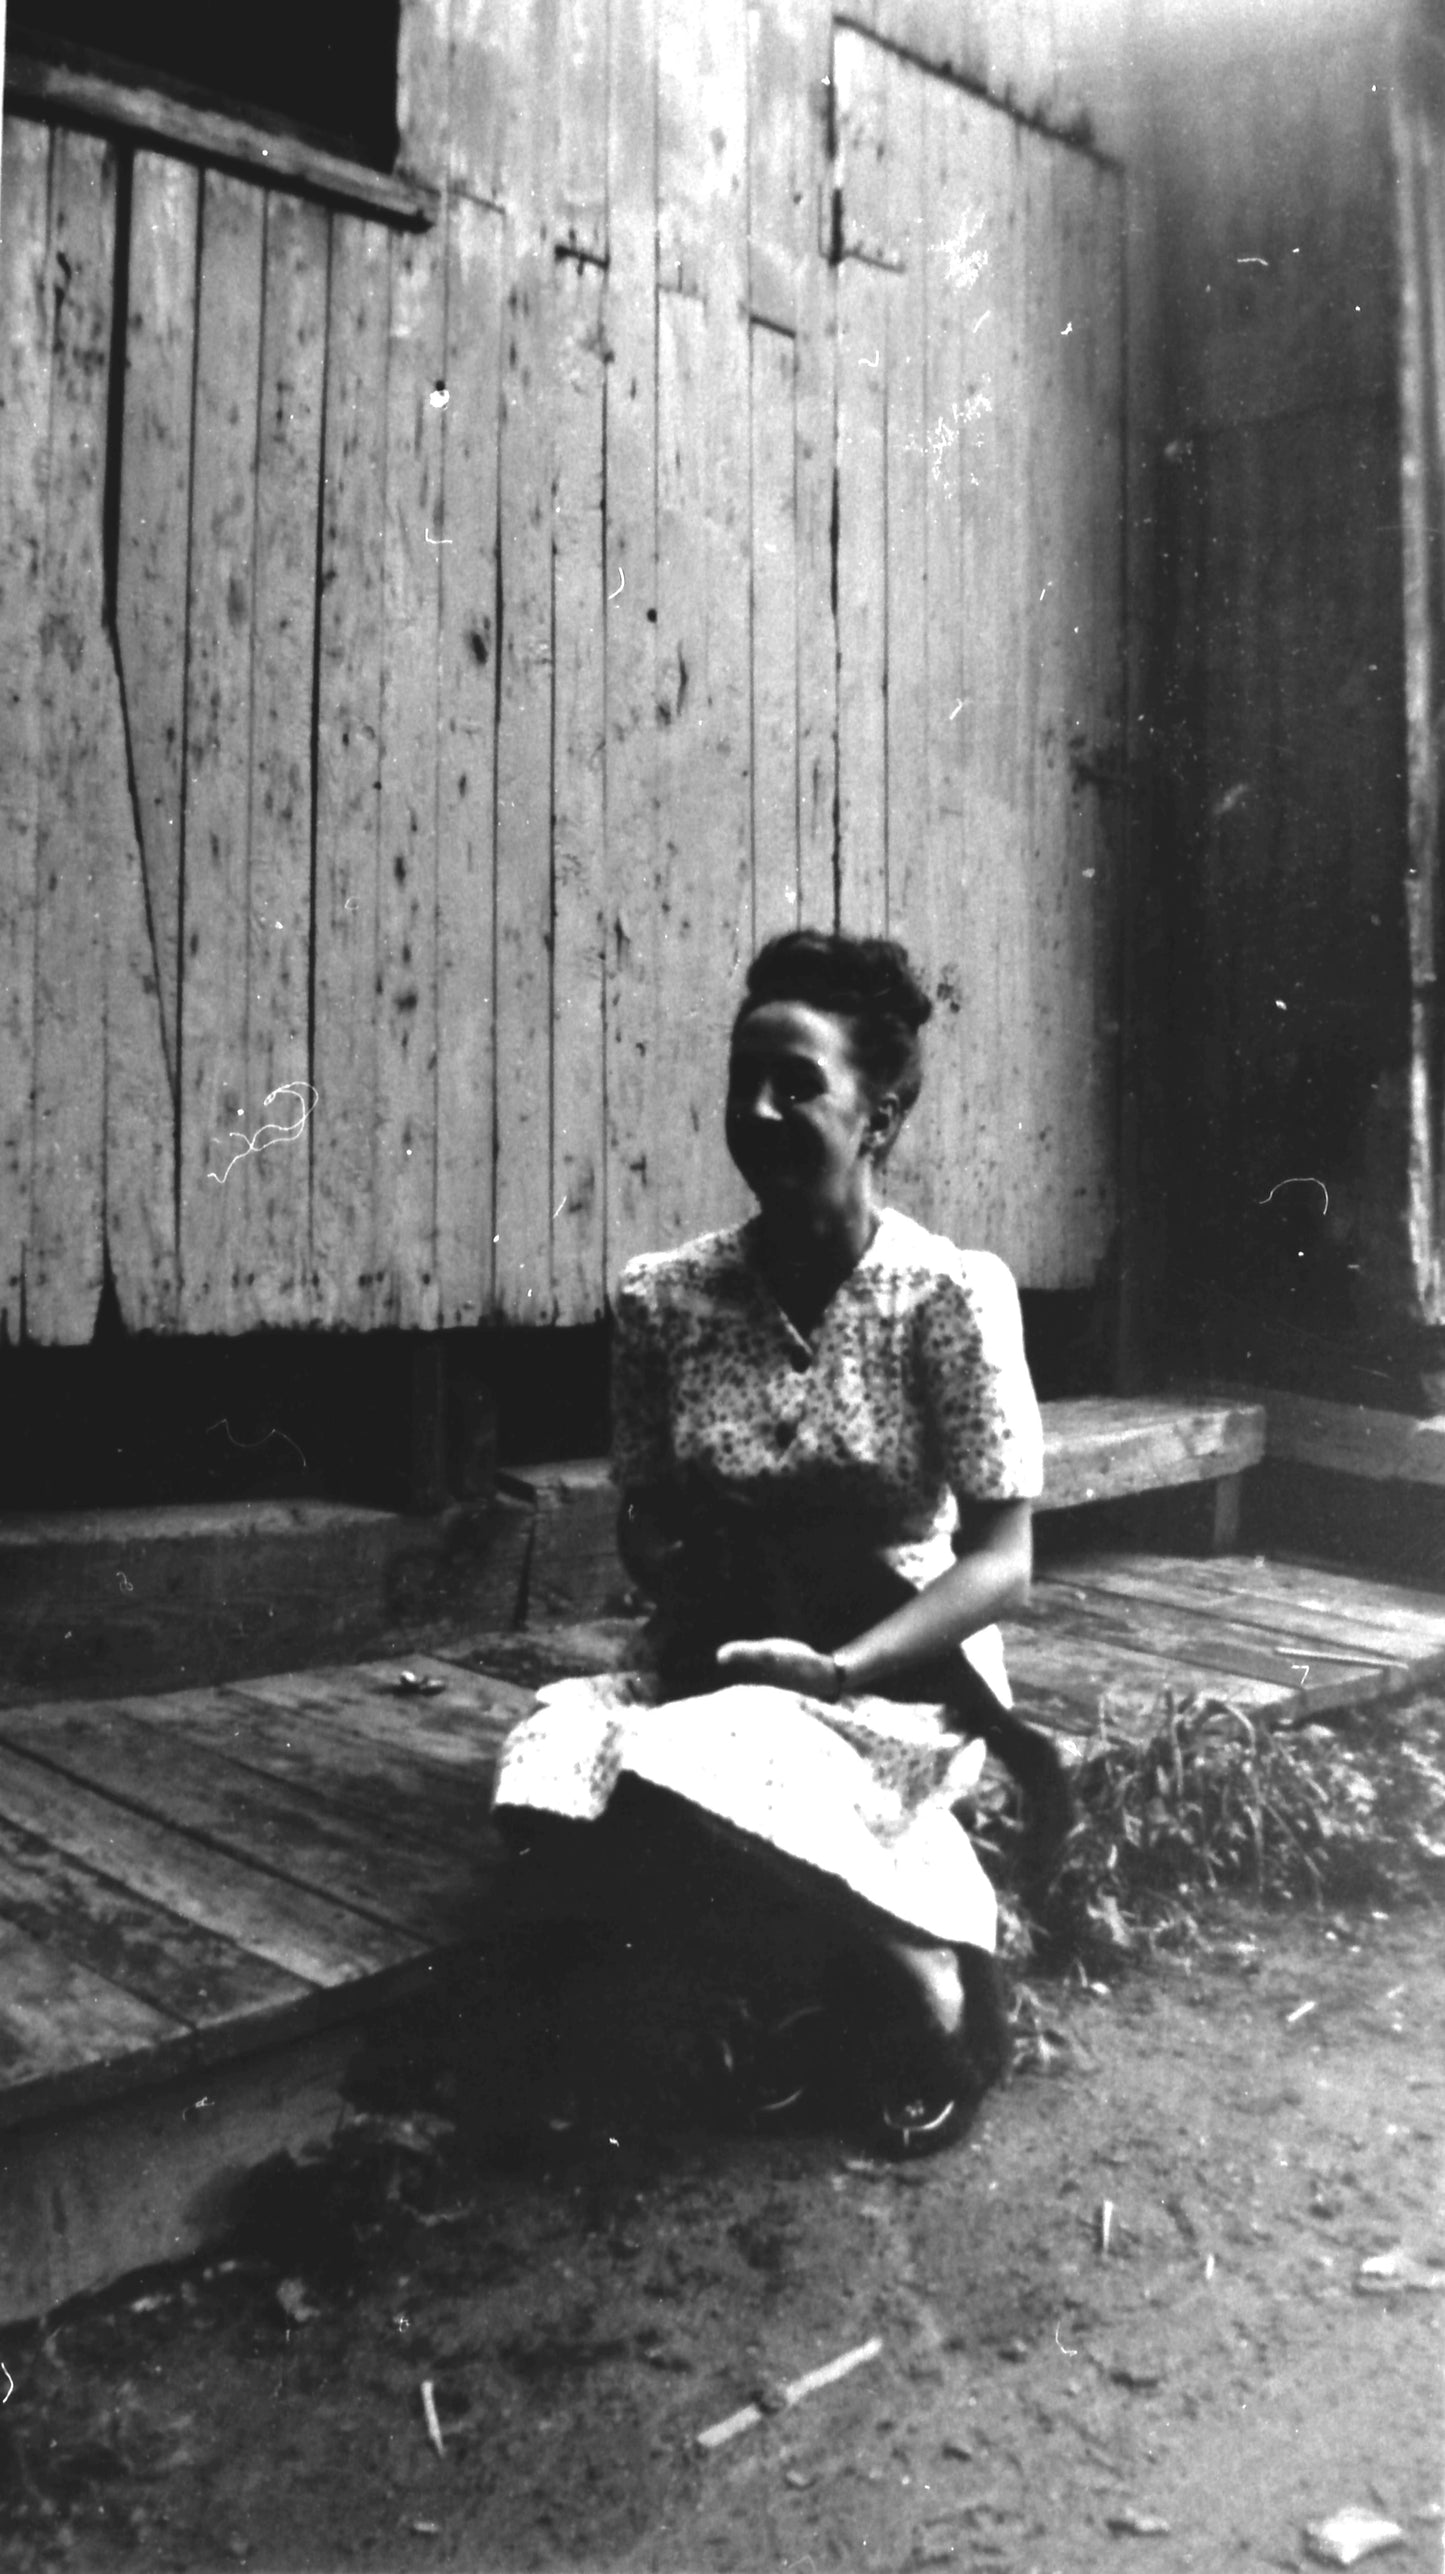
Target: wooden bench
1096, 1449
202, 1591
1353, 1439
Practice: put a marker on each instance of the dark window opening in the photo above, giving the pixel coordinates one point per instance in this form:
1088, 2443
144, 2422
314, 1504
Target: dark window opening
324, 69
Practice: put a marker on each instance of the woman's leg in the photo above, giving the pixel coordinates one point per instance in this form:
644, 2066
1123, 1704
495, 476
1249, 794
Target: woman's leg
933, 1985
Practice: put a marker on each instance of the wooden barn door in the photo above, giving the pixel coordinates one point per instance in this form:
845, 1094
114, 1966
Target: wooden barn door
980, 610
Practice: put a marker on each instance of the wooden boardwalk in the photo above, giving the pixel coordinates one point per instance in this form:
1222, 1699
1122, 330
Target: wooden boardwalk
204, 1893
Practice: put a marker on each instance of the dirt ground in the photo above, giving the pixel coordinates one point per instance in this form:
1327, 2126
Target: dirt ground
1257, 2121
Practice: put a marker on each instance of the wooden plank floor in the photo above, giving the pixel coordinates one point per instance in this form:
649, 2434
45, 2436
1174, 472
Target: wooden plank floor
193, 1877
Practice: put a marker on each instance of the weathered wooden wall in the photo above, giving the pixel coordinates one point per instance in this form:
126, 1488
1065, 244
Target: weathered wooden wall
430, 659
1282, 742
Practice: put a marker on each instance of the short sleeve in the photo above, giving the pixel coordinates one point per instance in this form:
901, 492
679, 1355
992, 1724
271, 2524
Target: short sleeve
981, 1399
641, 1438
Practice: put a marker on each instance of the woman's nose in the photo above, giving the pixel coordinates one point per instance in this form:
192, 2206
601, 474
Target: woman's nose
758, 1105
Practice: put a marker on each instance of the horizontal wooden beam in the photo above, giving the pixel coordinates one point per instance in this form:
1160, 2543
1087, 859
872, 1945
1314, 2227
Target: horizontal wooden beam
1351, 1439
70, 96
1106, 1446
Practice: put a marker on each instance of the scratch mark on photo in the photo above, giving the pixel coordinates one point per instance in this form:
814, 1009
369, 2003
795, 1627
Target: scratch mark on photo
271, 1133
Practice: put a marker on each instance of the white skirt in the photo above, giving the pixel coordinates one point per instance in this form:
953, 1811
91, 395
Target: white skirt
861, 1793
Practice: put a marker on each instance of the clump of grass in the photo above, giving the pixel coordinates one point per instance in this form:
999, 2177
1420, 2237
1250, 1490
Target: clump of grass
1347, 1813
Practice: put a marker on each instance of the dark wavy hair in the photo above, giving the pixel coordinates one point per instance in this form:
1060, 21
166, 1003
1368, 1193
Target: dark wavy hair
866, 981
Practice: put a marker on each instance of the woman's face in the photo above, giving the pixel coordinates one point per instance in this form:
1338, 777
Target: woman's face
803, 1126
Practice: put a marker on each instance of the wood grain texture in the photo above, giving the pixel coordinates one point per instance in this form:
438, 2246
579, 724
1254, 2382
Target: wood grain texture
221, 141
975, 1110
75, 816
24, 482
217, 1117
58, 2018
351, 646
273, 1184
1101, 1447
951, 307
863, 298
1294, 1604
864, 292
460, 1727
144, 907
808, 38
295, 1927
375, 1788
466, 798
175, 1966
1114, 1684
288, 1831
774, 672
579, 210
1354, 1439
910, 905
404, 1200
155, 504
631, 641
524, 986
424, 91
579, 879
703, 894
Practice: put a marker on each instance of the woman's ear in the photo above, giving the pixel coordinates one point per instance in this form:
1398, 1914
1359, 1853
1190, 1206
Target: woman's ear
884, 1119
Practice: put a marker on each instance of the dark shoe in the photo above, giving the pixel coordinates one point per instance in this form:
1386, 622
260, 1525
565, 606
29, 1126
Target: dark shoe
908, 2128
931, 2107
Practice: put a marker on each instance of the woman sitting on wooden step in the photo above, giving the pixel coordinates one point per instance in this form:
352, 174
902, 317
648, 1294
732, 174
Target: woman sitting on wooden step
827, 1444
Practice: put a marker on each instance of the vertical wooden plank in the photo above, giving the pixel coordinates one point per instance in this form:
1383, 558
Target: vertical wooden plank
1419, 484
466, 810
579, 886
777, 110
815, 463
485, 73
155, 500
525, 1197
910, 895
774, 636
24, 478
75, 826
351, 642
630, 641
1043, 1170
1096, 303
405, 1199
274, 1182
704, 894
217, 1116
580, 193
927, 877
144, 870
977, 1112
524, 1193
424, 57
862, 542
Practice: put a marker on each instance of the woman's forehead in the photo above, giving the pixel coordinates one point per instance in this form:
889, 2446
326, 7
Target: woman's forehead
793, 1028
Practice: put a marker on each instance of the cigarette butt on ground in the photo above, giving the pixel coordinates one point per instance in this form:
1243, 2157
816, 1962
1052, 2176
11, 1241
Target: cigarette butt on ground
429, 2416
1106, 2223
719, 2433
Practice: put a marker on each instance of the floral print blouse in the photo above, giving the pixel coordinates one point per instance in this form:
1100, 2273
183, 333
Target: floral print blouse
912, 1394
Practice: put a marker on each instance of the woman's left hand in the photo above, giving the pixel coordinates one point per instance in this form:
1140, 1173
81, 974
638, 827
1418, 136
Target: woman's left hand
779, 1662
